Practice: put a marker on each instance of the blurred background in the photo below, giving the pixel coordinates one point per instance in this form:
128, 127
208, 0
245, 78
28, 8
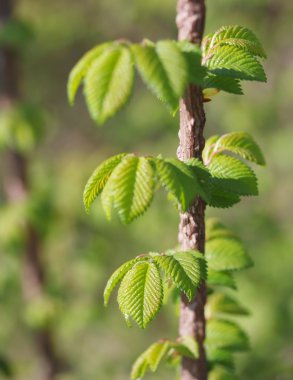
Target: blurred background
64, 320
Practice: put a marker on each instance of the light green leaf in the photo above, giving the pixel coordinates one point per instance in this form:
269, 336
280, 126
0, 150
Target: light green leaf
163, 69
221, 374
238, 36
216, 278
226, 335
109, 82
186, 269
131, 187
79, 71
99, 178
236, 63
107, 198
232, 175
116, 277
140, 294
241, 143
228, 253
221, 303
150, 359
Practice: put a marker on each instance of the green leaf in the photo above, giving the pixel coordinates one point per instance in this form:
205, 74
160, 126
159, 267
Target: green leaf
182, 181
164, 70
241, 143
15, 34
221, 374
228, 253
226, 335
80, 69
216, 229
222, 198
235, 62
218, 356
131, 187
232, 175
187, 346
216, 278
150, 359
107, 198
109, 82
140, 294
239, 36
186, 269
221, 303
99, 178
192, 55
231, 85
116, 277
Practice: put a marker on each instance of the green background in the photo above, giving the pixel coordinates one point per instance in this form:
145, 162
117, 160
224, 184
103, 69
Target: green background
81, 251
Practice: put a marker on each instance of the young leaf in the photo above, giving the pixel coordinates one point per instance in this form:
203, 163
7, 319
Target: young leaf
116, 277
232, 175
150, 359
80, 69
241, 143
226, 335
140, 294
209, 148
221, 374
216, 278
221, 303
239, 36
187, 346
186, 269
131, 187
99, 178
109, 82
228, 253
164, 70
234, 62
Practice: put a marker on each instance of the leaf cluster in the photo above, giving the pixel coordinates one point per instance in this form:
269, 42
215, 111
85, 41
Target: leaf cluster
141, 292
228, 56
128, 183
232, 54
166, 67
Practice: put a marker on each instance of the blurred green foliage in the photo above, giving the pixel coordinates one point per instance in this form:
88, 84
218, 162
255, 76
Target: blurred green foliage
81, 251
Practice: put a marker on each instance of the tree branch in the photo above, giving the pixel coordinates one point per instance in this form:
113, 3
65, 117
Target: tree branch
190, 22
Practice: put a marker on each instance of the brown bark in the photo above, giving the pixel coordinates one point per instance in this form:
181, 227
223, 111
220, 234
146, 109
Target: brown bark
190, 22
18, 188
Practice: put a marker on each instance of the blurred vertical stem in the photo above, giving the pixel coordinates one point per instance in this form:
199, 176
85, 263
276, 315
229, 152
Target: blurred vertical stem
18, 189
190, 21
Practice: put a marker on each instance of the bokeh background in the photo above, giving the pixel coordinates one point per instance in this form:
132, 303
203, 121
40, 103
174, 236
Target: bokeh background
79, 252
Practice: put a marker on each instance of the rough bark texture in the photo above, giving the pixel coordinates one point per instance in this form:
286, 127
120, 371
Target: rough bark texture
17, 188
190, 22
